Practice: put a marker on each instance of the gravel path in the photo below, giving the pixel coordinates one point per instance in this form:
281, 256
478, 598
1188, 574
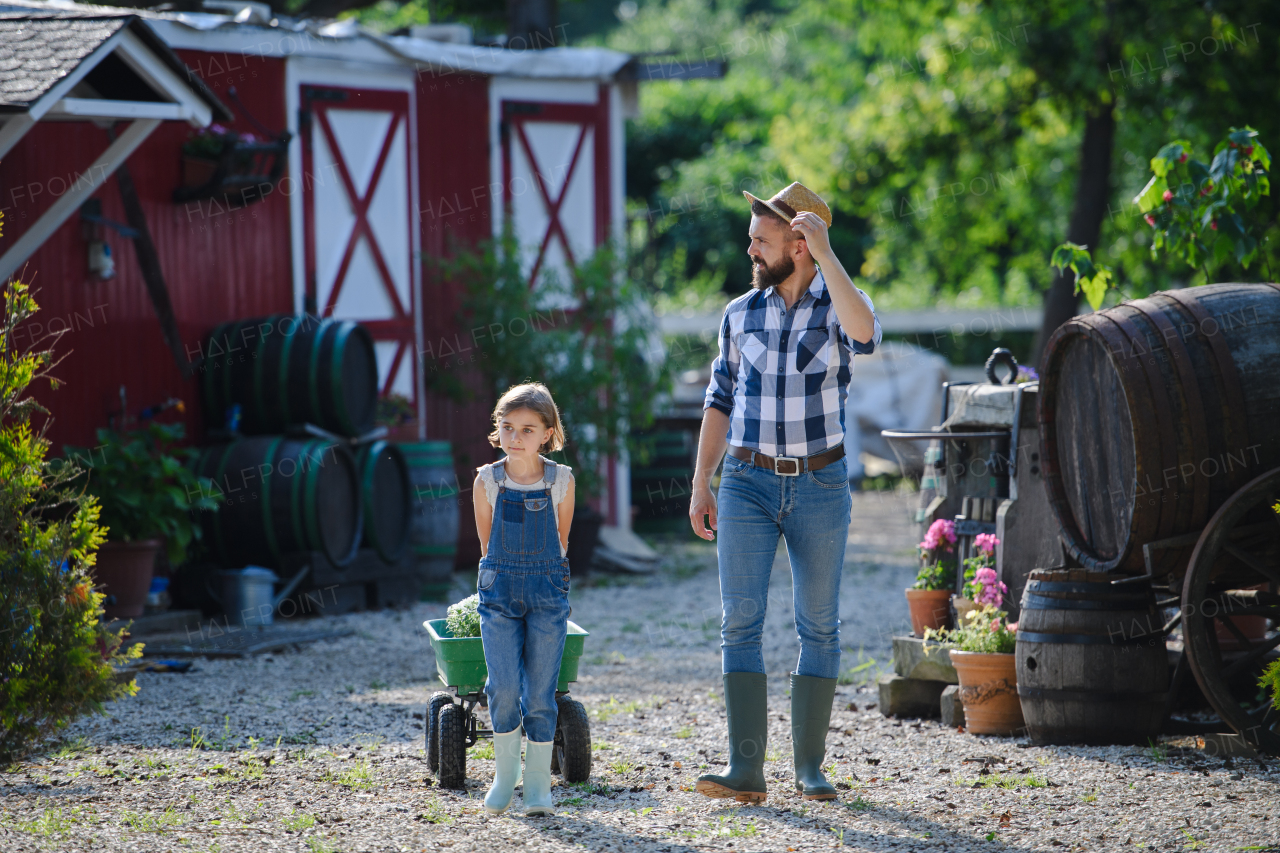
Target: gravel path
320, 749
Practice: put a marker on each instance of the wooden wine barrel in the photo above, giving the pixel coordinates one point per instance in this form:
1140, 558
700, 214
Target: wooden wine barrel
1091, 660
386, 499
281, 496
1153, 412
433, 535
291, 369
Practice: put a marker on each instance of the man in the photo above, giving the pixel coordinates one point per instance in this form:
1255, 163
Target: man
777, 398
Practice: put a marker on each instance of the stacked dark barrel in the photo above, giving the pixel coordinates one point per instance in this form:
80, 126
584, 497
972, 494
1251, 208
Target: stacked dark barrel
296, 397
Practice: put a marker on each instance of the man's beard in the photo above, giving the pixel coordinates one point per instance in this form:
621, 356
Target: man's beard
764, 277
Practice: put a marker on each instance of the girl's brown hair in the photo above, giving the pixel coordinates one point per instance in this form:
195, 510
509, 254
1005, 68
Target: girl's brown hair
537, 398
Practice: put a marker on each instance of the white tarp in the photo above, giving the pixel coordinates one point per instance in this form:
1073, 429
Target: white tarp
899, 386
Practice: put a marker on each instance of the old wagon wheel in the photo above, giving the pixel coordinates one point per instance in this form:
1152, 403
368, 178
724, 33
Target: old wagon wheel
1238, 552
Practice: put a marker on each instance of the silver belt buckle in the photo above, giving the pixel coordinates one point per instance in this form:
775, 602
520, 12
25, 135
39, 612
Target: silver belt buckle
794, 460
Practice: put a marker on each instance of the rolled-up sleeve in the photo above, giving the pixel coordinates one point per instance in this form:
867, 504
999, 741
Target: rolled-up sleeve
724, 372
876, 334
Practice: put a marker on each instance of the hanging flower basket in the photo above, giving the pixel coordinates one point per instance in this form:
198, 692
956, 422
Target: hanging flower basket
236, 169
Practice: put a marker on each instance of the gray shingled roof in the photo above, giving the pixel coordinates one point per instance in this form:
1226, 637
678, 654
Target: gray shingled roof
37, 52
38, 48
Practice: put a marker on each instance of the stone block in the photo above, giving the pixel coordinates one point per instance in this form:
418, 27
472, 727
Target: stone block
909, 697
912, 660
952, 709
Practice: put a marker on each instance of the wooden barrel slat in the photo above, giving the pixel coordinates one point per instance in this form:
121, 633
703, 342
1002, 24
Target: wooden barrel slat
386, 498
286, 369
433, 535
1153, 413
281, 496
1091, 662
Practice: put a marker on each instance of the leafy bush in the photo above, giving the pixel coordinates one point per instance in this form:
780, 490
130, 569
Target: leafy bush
463, 618
56, 656
1271, 680
144, 487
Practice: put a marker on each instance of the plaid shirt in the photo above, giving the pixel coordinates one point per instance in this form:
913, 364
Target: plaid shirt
782, 376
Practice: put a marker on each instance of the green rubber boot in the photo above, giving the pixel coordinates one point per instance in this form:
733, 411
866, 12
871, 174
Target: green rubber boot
744, 702
811, 700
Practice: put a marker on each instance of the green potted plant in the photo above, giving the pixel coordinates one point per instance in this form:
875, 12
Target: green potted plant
982, 651
148, 495
57, 658
928, 597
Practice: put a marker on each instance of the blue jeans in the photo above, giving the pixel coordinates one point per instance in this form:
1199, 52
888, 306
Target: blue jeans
811, 511
524, 614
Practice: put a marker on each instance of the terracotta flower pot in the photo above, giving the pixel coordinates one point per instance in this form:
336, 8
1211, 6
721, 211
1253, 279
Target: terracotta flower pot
124, 570
989, 692
928, 609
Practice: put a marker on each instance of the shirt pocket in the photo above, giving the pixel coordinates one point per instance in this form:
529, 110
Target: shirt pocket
813, 351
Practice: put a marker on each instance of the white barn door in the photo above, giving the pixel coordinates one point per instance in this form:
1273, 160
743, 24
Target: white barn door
358, 219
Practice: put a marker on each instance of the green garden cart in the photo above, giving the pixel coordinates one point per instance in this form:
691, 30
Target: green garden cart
452, 726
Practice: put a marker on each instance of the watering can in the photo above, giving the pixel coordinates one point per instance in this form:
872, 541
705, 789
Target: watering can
248, 595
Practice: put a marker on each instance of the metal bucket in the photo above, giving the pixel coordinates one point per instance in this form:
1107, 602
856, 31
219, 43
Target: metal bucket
248, 595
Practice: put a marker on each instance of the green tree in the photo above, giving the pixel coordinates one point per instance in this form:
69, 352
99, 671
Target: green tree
56, 656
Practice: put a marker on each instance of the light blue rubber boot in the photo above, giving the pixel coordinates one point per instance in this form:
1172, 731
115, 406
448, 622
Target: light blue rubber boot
506, 774
537, 779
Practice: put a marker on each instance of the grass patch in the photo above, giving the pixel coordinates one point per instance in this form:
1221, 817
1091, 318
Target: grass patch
1156, 752
596, 789
572, 801
613, 707
865, 671
151, 823
54, 821
685, 732
622, 766
1008, 781
298, 822
600, 746
483, 750
434, 813
69, 749
316, 844
298, 694
858, 804
357, 776
724, 827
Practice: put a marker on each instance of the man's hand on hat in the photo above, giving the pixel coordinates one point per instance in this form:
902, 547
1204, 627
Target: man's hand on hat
814, 232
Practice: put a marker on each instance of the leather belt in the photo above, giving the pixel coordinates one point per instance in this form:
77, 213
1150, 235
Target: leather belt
788, 466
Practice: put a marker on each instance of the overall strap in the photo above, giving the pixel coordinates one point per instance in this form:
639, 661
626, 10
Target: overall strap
499, 470
548, 471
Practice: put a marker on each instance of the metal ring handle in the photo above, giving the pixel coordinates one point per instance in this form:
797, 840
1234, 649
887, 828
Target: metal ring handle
1001, 356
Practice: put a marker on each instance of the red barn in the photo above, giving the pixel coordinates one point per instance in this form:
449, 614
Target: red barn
393, 145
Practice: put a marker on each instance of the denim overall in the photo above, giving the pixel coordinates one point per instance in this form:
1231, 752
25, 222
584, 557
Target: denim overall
524, 608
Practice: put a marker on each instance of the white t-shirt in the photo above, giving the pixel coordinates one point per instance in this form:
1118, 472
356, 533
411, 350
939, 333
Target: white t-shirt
559, 489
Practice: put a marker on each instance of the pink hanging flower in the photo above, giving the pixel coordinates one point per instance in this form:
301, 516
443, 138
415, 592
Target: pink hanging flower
986, 543
941, 534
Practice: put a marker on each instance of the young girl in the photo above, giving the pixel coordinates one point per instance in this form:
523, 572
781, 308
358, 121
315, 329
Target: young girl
524, 505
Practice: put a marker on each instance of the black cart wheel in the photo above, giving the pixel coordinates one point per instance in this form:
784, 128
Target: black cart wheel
1231, 579
453, 746
571, 756
438, 700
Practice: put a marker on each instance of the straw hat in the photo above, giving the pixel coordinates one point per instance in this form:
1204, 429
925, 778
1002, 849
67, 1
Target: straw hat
793, 200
